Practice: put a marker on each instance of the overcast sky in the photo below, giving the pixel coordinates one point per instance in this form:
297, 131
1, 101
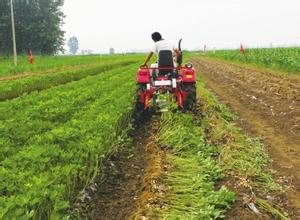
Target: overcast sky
127, 25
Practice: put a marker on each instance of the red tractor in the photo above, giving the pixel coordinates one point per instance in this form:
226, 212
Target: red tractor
163, 84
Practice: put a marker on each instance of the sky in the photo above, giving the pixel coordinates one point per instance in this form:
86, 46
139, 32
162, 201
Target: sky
127, 25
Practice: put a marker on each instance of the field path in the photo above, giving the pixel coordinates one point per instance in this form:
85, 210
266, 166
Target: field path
268, 106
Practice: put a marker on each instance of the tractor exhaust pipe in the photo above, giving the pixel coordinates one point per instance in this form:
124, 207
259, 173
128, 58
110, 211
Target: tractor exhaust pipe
179, 58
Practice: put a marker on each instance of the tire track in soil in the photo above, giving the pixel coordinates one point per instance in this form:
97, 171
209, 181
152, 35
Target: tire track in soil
130, 179
268, 105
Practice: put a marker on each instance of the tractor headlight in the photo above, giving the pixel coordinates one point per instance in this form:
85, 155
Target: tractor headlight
189, 65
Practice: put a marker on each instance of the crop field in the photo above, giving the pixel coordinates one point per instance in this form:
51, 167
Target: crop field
72, 146
53, 137
50, 64
285, 60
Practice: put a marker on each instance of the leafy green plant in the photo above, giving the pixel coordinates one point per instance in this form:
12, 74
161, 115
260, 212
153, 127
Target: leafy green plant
57, 139
14, 88
42, 111
44, 64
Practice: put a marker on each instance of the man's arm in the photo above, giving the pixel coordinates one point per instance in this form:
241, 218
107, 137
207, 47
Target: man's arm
148, 58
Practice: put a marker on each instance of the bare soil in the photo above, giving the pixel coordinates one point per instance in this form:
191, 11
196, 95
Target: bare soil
128, 187
268, 106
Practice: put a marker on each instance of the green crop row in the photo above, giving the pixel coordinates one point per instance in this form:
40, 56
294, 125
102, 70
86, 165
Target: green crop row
41, 111
44, 177
53, 63
193, 194
279, 59
15, 88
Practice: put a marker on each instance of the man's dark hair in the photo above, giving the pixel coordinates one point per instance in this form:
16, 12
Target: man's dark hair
156, 36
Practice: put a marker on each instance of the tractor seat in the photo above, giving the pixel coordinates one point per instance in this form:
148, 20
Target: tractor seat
165, 59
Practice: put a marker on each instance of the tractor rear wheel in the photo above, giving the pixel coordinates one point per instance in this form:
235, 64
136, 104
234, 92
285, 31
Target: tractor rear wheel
190, 103
139, 106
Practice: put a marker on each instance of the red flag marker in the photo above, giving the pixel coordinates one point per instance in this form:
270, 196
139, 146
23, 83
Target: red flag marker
242, 49
30, 57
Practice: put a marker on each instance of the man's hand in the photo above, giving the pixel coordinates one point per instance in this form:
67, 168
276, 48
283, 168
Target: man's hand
147, 60
143, 66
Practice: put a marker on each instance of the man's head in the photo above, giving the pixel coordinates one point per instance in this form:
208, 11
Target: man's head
156, 36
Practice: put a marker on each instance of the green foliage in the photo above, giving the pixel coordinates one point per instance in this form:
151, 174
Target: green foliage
282, 59
39, 112
192, 195
50, 64
37, 24
14, 88
53, 141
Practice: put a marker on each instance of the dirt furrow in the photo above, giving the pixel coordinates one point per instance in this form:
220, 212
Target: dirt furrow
268, 105
127, 186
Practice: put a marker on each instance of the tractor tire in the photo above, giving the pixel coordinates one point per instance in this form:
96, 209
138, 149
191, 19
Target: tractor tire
139, 106
190, 103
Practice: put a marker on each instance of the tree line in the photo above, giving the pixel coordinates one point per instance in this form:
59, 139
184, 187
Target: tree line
37, 25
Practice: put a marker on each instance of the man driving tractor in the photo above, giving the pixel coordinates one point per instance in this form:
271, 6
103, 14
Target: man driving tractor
161, 45
165, 82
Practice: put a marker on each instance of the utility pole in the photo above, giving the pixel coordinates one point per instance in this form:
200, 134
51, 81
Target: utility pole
13, 32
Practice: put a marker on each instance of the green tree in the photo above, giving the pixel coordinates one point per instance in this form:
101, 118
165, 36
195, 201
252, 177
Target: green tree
37, 23
73, 45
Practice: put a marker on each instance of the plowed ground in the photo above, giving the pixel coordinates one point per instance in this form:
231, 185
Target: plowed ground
268, 106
